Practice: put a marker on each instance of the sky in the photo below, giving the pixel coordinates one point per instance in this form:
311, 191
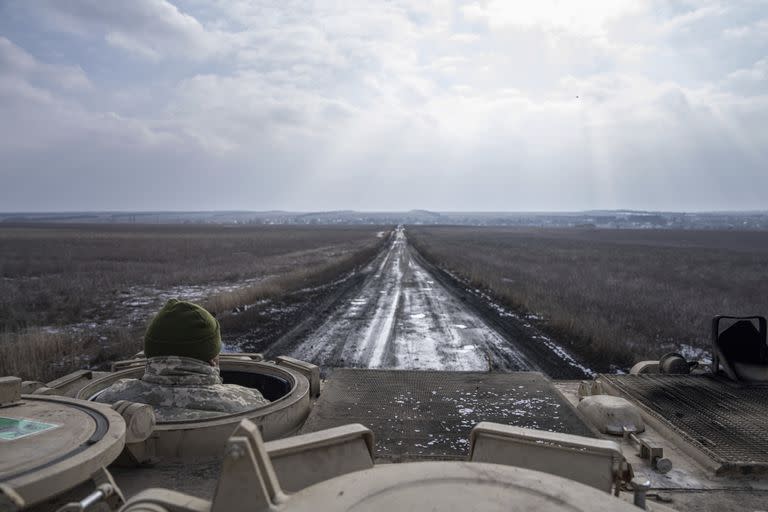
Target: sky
494, 105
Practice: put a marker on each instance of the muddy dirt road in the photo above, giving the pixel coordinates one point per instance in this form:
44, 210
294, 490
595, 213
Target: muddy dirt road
403, 316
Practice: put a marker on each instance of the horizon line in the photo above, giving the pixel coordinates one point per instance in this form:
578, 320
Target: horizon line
423, 210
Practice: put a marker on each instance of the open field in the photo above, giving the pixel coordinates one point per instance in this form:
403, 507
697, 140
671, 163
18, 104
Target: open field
73, 294
616, 296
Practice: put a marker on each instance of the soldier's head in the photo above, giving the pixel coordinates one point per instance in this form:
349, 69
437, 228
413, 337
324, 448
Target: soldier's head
185, 329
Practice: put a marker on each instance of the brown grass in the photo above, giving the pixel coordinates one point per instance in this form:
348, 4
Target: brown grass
279, 286
54, 277
617, 296
39, 354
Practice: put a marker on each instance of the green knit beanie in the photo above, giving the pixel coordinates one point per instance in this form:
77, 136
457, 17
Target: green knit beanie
183, 329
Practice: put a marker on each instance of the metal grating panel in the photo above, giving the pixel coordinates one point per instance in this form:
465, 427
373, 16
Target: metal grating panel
726, 421
429, 414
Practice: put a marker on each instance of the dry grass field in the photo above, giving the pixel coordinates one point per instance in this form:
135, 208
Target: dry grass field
617, 296
74, 294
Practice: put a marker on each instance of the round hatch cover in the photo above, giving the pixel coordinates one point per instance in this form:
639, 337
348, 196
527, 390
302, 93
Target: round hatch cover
453, 486
51, 444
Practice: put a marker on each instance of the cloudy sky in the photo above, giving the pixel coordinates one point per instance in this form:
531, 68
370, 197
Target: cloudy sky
383, 105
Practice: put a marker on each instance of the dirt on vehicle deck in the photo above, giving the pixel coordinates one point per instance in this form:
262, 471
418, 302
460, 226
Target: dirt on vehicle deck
418, 415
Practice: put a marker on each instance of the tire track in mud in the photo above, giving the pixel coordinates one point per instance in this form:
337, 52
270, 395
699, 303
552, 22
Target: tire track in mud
401, 316
339, 332
552, 359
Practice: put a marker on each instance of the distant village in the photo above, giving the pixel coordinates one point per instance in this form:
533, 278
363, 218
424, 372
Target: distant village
603, 219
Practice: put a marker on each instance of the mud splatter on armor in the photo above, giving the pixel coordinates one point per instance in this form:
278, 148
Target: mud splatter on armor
181, 388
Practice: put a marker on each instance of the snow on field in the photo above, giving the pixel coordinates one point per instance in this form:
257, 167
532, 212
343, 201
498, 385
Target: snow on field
561, 352
135, 305
141, 301
402, 319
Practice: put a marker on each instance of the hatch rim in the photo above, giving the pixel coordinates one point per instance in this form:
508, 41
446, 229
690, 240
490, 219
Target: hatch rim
76, 466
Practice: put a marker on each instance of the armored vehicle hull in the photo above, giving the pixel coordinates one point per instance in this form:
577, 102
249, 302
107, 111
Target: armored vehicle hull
478, 440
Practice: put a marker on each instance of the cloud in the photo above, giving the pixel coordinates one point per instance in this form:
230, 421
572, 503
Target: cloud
751, 80
16, 62
691, 17
588, 17
757, 31
228, 112
153, 29
276, 104
42, 106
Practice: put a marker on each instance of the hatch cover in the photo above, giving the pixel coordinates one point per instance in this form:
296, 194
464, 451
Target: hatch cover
50, 444
429, 414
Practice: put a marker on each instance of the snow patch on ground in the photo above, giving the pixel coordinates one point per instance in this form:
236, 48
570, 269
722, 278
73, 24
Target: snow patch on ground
324, 286
565, 356
691, 353
410, 322
560, 351
135, 305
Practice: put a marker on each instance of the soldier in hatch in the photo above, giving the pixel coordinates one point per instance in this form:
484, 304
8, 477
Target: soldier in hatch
182, 380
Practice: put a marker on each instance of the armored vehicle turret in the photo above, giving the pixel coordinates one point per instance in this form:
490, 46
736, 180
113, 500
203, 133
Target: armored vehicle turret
670, 435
